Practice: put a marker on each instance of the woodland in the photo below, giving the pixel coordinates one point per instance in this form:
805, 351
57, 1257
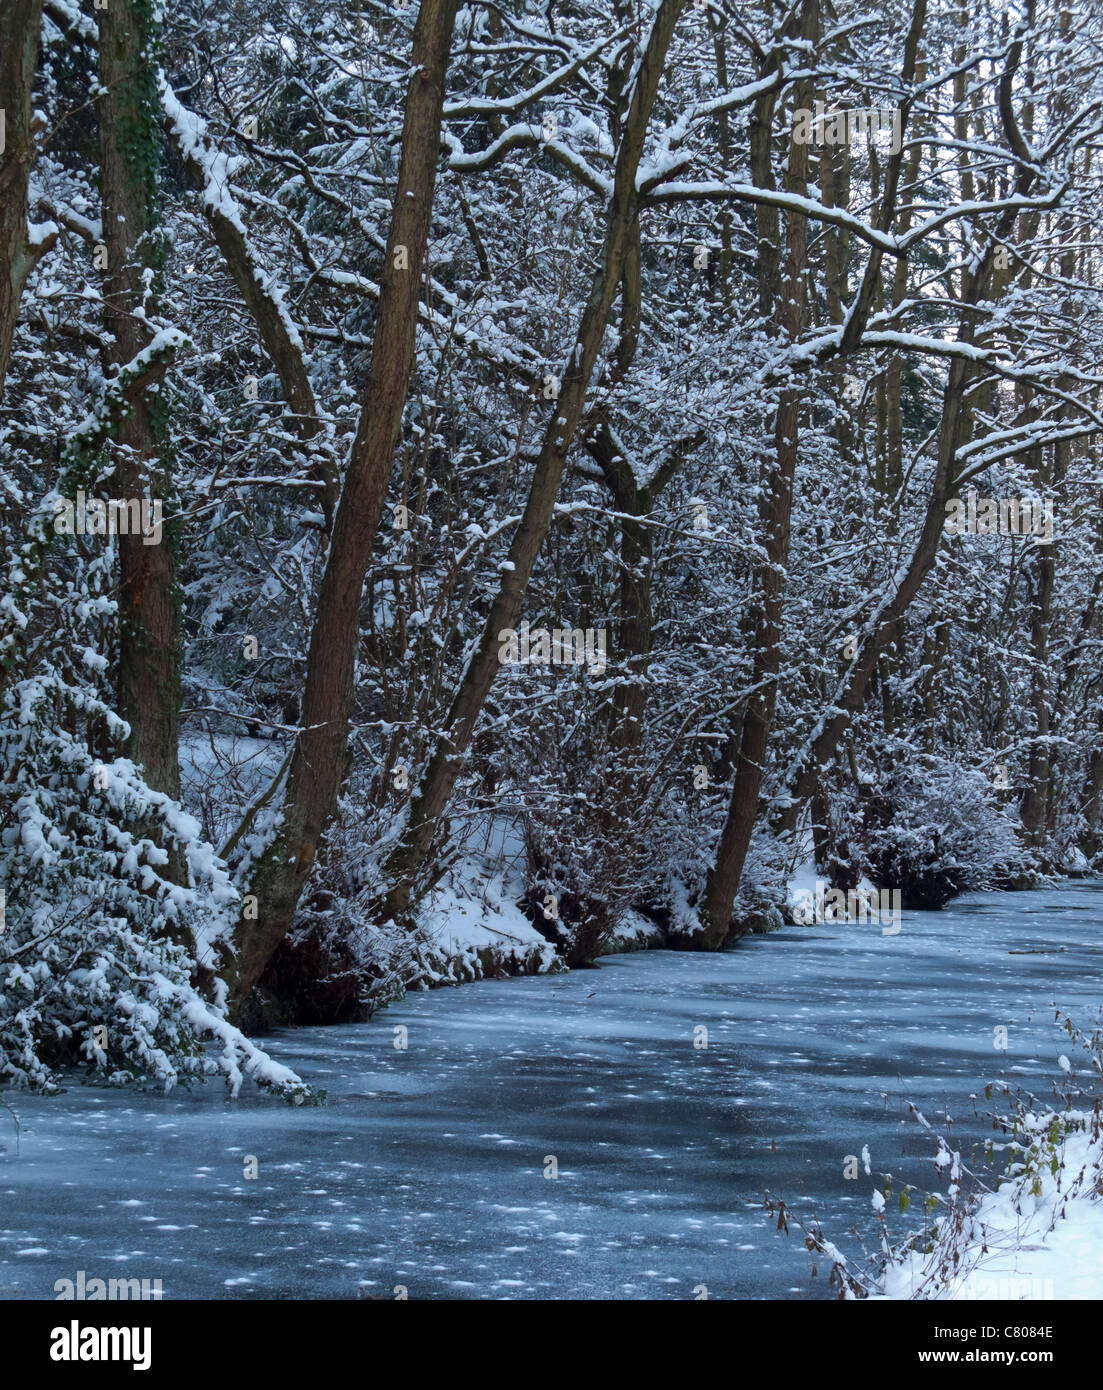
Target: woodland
659, 439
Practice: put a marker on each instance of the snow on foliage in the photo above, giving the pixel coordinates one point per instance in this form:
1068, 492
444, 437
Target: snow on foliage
1026, 1225
100, 940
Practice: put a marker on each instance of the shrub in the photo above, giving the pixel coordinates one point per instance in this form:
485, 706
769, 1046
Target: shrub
934, 830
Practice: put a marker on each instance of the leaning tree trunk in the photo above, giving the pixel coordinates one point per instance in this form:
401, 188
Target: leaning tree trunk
427, 808
264, 302
819, 748
149, 597
783, 300
318, 762
723, 879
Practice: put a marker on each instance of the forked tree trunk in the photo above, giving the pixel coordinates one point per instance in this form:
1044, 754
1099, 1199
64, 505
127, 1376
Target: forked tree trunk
427, 807
820, 747
723, 879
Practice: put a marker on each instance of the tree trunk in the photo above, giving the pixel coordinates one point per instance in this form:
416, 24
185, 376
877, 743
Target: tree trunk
20, 24
318, 764
445, 763
820, 748
149, 600
1038, 798
953, 433
1092, 841
277, 333
785, 304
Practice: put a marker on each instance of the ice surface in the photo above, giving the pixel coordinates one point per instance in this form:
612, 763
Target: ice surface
427, 1168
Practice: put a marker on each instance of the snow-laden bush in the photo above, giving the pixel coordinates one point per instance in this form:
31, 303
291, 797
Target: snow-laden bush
588, 826
686, 832
99, 943
761, 901
933, 830
576, 895
595, 854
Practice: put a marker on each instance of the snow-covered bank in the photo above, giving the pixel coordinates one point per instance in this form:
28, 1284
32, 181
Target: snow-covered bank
476, 929
474, 925
1042, 1238
1038, 1235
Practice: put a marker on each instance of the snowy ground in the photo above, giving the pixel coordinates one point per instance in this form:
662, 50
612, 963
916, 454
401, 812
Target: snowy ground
427, 1169
1038, 1236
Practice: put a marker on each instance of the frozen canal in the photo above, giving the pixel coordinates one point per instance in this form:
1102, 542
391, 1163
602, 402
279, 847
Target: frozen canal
427, 1168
